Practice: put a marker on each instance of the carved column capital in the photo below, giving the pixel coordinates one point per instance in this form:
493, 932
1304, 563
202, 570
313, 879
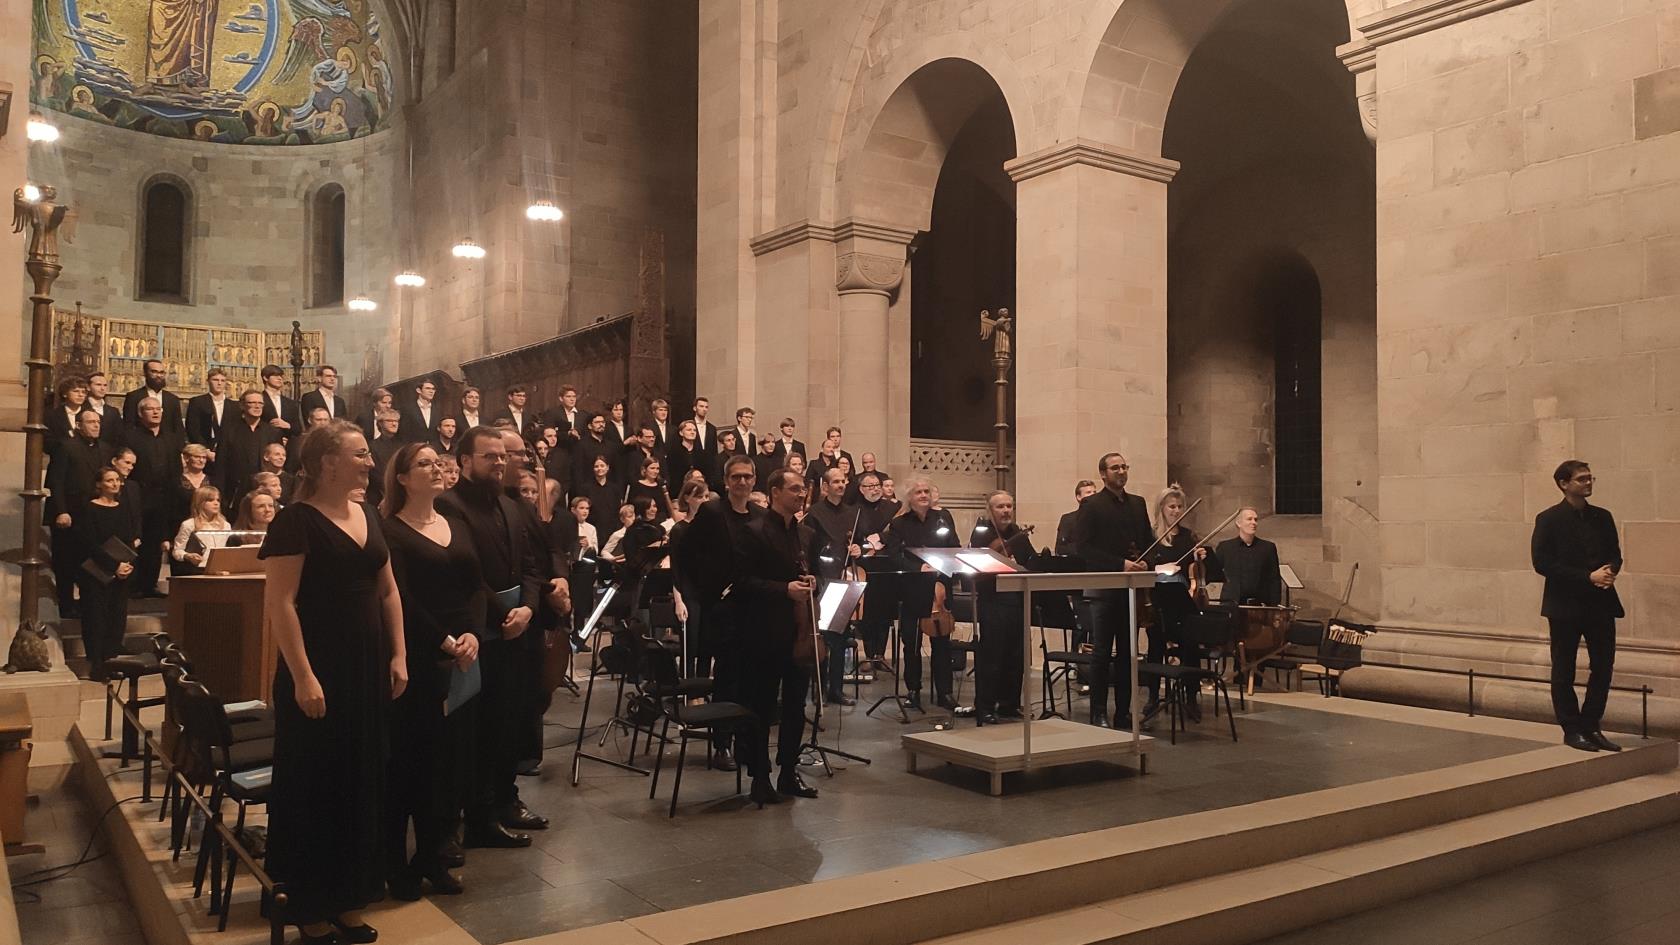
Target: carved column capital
868, 273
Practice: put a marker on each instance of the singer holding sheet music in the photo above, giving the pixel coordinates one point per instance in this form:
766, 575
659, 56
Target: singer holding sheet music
442, 591
103, 580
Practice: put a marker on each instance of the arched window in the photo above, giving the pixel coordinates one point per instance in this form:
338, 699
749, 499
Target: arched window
165, 232
326, 247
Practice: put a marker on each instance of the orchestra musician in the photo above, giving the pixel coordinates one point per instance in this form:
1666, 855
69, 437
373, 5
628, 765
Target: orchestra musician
1113, 530
834, 521
1171, 595
920, 525
1067, 543
997, 675
874, 512
1249, 564
774, 580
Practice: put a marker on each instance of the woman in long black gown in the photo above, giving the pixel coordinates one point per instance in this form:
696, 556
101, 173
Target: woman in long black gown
437, 574
105, 603
337, 619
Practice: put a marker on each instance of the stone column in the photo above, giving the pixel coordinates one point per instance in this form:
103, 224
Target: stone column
869, 271
1091, 342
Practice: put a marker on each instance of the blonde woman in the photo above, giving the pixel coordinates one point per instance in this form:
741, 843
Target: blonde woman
206, 515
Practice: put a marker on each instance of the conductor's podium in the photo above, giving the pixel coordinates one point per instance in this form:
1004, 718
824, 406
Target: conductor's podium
218, 620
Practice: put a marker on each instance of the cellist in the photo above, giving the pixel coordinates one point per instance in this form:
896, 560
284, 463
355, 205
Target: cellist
1172, 591
920, 525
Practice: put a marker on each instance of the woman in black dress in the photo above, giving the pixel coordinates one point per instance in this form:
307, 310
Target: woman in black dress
650, 488
1171, 594
337, 619
682, 456
605, 495
438, 577
105, 604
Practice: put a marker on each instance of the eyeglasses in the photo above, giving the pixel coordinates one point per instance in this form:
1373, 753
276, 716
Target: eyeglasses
491, 458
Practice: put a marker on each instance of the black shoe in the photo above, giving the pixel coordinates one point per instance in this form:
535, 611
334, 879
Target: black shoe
578, 646
839, 698
531, 769
452, 856
1009, 713
363, 934
763, 793
1604, 744
723, 760
404, 886
984, 718
495, 836
913, 700
1099, 719
945, 702
517, 816
790, 783
1123, 723
444, 883
1579, 741
329, 937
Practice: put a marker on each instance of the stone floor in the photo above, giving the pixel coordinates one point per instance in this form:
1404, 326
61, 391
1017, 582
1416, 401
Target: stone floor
613, 853
1618, 893
86, 907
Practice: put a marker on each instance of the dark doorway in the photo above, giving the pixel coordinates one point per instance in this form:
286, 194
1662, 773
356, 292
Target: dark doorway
964, 263
1288, 297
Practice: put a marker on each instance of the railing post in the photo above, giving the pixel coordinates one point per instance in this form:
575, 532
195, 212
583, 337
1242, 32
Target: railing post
1471, 699
1644, 712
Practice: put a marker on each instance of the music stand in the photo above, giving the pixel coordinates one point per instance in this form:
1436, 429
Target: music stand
578, 754
909, 595
1056, 611
965, 562
835, 606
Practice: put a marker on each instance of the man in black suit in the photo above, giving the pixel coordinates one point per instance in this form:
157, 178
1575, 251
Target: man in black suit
387, 439
705, 440
279, 411
745, 439
70, 481
567, 420
72, 399
1113, 531
207, 413
663, 432
110, 415
1067, 542
1576, 549
635, 451
420, 414
469, 413
478, 504
243, 439
594, 443
772, 565
619, 433
786, 445
157, 475
157, 377
524, 419
1248, 565
765, 461
833, 433
325, 395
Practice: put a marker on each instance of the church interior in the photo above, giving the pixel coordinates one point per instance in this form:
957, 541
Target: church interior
1287, 310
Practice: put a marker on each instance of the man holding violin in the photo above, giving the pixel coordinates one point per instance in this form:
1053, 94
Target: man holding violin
1113, 530
774, 583
921, 525
997, 675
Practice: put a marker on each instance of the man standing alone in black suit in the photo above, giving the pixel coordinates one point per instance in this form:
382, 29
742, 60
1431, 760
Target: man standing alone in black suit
1576, 549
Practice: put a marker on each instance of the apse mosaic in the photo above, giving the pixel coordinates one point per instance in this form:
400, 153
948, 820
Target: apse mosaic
239, 71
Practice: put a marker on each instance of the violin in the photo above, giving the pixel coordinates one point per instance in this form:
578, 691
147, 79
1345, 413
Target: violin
941, 622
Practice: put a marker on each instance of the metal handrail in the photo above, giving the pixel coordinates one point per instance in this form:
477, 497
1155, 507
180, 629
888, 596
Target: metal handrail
1645, 692
276, 891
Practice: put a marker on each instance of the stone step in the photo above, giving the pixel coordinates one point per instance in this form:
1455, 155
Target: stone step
1246, 905
1060, 885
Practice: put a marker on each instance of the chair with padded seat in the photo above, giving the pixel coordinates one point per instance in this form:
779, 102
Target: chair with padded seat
702, 720
241, 771
1213, 628
140, 658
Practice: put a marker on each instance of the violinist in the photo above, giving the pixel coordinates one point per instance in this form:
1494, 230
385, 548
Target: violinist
873, 514
773, 581
1113, 531
834, 521
997, 676
1175, 576
920, 525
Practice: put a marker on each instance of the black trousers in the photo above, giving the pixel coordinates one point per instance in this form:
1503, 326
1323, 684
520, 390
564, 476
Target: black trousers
873, 631
910, 645
154, 531
1172, 606
1110, 620
766, 673
428, 781
1600, 635
67, 557
502, 725
104, 618
997, 676
834, 668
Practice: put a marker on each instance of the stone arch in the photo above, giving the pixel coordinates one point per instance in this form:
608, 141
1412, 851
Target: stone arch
900, 126
1122, 100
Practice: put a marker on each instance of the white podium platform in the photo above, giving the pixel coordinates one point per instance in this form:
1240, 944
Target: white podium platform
1047, 743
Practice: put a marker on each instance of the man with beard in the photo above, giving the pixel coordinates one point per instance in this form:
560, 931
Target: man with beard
513, 589
874, 512
834, 521
1113, 530
773, 578
997, 683
593, 443
553, 568
156, 379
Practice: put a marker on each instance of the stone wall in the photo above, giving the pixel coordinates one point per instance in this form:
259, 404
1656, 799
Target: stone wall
249, 249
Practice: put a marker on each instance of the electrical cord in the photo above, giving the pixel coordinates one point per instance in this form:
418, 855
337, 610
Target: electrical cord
36, 877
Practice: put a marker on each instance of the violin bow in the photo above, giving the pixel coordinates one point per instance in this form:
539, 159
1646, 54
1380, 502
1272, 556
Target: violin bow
1168, 530
1222, 525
